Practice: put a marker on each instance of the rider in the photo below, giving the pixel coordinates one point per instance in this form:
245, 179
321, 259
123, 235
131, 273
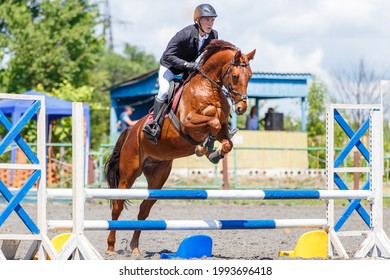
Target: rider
179, 56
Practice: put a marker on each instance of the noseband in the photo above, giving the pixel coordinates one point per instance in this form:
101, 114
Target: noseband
228, 90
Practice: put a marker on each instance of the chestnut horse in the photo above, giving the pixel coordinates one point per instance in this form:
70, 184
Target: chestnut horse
202, 115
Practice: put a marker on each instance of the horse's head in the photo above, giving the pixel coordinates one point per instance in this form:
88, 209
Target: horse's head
235, 79
227, 68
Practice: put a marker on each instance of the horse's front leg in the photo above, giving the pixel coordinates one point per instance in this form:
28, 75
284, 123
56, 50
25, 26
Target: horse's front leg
204, 123
201, 123
226, 147
208, 145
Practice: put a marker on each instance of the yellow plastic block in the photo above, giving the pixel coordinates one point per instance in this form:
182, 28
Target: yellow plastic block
313, 244
59, 241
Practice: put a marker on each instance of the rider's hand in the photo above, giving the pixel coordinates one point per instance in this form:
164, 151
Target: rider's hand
191, 66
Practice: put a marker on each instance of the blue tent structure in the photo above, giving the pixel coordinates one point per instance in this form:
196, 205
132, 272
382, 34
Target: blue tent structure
56, 108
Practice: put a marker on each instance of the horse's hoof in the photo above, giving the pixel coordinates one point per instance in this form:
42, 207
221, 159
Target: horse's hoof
110, 252
135, 251
198, 152
215, 157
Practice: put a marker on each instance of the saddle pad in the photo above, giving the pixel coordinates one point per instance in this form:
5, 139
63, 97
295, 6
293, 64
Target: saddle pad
174, 102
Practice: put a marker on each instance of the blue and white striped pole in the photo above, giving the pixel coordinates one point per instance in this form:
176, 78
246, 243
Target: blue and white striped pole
190, 224
213, 194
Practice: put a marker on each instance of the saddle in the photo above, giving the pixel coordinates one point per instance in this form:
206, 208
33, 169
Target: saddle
174, 94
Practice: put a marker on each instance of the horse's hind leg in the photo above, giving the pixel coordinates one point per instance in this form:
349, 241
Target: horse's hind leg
156, 174
117, 206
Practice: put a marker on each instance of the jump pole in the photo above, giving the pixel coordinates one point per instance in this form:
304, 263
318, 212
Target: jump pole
124, 194
191, 224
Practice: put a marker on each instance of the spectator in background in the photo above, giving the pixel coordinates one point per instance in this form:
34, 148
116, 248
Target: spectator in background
124, 119
267, 115
252, 120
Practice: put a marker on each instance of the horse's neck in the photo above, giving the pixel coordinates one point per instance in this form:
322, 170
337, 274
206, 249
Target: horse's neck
209, 82
213, 67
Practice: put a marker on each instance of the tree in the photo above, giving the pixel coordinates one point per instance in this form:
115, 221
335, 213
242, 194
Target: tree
48, 42
316, 125
61, 129
358, 85
292, 123
111, 69
316, 112
52, 45
120, 67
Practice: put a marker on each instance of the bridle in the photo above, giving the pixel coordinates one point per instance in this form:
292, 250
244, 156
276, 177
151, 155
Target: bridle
228, 90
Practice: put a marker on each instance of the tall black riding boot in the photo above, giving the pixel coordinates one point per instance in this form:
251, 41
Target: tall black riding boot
153, 131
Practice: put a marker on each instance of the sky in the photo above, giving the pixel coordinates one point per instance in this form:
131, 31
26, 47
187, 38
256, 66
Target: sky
290, 36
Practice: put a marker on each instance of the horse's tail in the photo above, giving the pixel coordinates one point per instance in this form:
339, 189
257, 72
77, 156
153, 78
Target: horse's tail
111, 167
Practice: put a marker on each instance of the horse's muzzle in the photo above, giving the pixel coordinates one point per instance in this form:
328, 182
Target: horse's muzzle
240, 108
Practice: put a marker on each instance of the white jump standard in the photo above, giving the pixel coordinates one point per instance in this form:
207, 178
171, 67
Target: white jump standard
376, 244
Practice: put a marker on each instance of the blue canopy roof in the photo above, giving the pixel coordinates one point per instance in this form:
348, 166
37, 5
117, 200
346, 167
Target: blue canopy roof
56, 108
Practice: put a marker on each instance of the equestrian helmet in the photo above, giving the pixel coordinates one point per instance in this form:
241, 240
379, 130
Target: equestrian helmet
204, 10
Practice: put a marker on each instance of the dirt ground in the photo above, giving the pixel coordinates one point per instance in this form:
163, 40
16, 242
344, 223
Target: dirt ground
227, 244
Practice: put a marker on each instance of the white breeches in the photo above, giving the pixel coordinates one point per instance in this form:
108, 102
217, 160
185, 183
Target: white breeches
164, 77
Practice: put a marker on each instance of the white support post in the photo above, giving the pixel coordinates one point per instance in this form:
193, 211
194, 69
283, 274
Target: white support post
334, 243
377, 243
78, 246
45, 247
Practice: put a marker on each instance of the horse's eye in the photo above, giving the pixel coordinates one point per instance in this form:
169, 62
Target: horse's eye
235, 78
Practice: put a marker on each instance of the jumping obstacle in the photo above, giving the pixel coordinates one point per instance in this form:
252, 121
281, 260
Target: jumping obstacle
38, 231
377, 244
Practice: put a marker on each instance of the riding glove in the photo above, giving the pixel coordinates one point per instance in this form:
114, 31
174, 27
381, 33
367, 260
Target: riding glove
191, 66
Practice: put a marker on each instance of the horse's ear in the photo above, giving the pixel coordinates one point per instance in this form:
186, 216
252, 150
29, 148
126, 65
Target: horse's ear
251, 55
237, 57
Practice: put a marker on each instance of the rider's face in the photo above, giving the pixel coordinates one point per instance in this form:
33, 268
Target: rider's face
207, 23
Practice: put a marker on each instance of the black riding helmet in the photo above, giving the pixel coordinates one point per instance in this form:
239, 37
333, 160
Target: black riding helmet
204, 10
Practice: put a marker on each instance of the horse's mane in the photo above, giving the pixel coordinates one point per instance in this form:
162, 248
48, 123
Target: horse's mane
216, 46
